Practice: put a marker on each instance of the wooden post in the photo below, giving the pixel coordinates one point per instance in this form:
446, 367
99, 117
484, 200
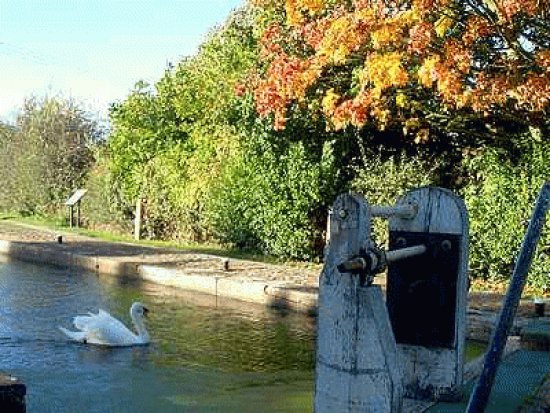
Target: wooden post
137, 220
357, 361
71, 218
12, 394
427, 294
78, 214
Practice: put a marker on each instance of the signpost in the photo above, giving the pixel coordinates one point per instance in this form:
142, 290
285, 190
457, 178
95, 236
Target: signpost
73, 201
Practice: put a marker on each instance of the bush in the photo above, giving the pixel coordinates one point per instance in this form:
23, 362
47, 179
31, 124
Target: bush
500, 201
269, 201
103, 207
46, 156
381, 180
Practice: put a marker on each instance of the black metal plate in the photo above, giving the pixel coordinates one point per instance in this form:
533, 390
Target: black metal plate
422, 290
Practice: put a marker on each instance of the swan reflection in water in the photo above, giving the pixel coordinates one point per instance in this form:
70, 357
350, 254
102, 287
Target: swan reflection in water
104, 330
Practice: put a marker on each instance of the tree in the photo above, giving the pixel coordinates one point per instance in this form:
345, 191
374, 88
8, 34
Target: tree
424, 68
47, 155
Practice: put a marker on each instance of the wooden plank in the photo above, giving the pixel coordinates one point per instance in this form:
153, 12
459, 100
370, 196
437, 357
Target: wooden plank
357, 361
432, 372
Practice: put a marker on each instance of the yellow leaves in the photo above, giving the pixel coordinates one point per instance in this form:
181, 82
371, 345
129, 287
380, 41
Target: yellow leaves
340, 40
422, 136
410, 16
412, 123
365, 15
380, 56
340, 54
385, 35
382, 116
401, 100
293, 15
385, 70
329, 101
313, 6
427, 73
297, 9
390, 32
305, 79
443, 24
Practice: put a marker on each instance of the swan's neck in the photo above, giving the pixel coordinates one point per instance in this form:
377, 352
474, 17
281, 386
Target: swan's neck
143, 335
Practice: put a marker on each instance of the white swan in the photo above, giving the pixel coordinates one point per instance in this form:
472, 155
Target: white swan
105, 330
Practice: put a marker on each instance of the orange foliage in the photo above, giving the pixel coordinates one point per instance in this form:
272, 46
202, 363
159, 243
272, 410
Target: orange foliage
393, 52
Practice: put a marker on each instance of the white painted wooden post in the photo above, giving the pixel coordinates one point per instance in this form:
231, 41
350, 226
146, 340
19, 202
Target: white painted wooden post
137, 219
357, 361
431, 372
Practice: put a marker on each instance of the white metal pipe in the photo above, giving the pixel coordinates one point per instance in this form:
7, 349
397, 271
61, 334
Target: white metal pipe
407, 211
396, 255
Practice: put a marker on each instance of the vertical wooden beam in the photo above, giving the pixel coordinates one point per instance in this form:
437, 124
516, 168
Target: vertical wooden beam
78, 214
431, 371
357, 361
137, 220
71, 218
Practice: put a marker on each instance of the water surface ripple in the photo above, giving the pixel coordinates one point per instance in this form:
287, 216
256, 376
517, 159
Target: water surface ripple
207, 355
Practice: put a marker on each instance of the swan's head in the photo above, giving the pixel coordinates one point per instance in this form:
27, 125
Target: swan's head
138, 310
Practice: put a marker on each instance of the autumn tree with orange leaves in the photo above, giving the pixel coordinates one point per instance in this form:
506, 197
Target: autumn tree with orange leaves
420, 67
292, 102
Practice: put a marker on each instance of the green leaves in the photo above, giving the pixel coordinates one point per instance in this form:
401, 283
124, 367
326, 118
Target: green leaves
500, 202
267, 200
47, 155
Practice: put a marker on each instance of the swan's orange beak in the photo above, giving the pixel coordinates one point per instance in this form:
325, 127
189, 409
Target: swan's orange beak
145, 311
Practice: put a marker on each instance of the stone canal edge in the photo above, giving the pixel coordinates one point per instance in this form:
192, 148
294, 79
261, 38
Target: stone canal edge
279, 285
260, 285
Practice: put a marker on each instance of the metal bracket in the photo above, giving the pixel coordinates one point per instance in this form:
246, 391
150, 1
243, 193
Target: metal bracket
375, 260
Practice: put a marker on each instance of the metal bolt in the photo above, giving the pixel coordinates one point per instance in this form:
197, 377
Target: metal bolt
400, 242
446, 245
343, 213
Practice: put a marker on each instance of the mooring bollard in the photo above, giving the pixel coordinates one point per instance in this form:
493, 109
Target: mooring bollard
12, 394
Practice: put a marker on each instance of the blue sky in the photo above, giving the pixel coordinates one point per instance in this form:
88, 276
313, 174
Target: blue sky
95, 50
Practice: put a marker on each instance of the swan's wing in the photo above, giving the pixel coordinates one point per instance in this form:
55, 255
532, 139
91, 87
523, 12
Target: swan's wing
74, 335
85, 322
103, 313
104, 329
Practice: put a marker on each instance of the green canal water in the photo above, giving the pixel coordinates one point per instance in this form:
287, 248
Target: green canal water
205, 356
